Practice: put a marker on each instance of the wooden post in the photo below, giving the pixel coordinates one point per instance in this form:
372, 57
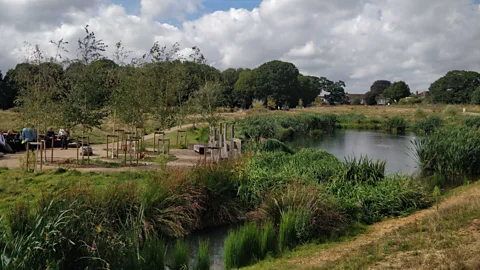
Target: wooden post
107, 147
125, 150
45, 149
88, 150
53, 144
78, 160
41, 154
232, 142
28, 153
225, 140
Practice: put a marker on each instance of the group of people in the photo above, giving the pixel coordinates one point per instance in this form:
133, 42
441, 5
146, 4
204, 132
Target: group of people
28, 135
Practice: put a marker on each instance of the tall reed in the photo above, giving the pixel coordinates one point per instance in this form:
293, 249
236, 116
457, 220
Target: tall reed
180, 256
203, 261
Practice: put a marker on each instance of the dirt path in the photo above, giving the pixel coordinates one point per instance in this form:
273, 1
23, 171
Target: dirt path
345, 249
185, 158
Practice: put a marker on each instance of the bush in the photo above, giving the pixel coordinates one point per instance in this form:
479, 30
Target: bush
450, 111
283, 126
180, 256
357, 101
429, 125
319, 215
420, 113
203, 261
395, 124
272, 145
317, 134
473, 122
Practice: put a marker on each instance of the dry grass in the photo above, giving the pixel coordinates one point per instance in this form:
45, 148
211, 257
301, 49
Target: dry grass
445, 239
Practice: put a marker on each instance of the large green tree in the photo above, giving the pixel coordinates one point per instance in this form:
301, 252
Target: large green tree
244, 89
8, 92
336, 91
377, 88
455, 87
86, 98
397, 91
278, 80
229, 78
310, 88
476, 96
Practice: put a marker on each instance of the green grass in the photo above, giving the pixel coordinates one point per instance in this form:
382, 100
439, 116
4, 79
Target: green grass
181, 255
203, 261
287, 236
243, 247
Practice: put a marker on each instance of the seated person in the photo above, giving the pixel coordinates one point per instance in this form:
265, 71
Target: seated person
4, 147
50, 133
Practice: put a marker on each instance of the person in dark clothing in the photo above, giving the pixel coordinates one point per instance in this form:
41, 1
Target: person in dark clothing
4, 147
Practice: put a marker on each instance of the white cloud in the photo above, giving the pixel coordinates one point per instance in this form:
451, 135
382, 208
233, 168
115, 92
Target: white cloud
169, 8
355, 41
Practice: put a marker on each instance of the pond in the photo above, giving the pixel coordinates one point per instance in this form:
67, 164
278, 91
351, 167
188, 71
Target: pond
396, 150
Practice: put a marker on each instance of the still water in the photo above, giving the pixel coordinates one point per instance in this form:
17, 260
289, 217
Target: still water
396, 150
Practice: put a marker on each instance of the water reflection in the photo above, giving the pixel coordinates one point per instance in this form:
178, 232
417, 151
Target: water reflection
395, 149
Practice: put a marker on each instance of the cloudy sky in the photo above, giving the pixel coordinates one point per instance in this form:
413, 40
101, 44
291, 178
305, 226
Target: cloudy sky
358, 41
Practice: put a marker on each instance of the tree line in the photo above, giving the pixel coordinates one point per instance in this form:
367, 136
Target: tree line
52, 90
456, 87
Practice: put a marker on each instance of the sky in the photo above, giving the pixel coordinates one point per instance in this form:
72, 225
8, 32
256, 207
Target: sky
357, 41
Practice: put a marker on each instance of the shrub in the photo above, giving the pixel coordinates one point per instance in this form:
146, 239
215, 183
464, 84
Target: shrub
450, 111
272, 145
357, 101
202, 134
429, 125
319, 215
203, 261
287, 134
180, 256
420, 113
243, 247
219, 184
317, 134
473, 122
397, 124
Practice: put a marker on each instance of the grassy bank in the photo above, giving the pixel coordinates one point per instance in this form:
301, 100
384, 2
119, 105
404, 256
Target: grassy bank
434, 239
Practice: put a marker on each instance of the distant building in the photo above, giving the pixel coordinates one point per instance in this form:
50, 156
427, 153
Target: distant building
381, 100
423, 94
352, 97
